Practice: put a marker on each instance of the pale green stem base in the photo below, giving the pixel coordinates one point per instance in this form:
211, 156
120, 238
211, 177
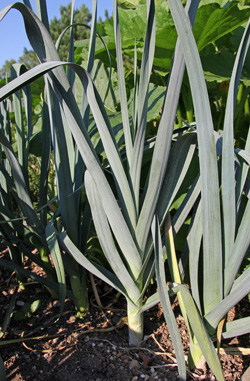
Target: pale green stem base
80, 293
135, 324
195, 357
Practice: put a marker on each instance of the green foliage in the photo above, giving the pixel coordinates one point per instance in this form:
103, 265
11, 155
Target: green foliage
135, 267
57, 26
29, 58
5, 70
33, 187
217, 30
128, 3
27, 310
122, 167
81, 15
213, 22
216, 247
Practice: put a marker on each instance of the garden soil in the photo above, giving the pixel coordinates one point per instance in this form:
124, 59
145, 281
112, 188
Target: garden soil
95, 346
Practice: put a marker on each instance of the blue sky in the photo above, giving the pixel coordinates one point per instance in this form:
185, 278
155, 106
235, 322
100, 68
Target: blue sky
12, 32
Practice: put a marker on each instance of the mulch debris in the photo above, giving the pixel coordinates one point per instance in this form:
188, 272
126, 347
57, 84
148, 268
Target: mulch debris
95, 346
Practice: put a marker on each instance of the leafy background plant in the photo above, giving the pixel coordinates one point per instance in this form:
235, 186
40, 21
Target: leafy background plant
216, 47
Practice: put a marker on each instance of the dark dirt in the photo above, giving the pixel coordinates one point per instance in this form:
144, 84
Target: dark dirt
95, 347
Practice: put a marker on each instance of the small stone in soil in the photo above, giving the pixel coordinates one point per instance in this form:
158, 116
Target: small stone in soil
20, 303
134, 364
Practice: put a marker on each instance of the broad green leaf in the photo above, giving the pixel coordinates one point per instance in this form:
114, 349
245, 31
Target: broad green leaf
213, 22
222, 3
218, 66
155, 101
110, 95
133, 27
128, 3
133, 23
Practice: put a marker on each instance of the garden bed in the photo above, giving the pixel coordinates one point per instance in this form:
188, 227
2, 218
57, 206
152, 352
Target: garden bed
95, 347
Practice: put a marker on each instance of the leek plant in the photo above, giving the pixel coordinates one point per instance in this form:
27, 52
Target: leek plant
219, 234
20, 222
123, 210
130, 201
16, 204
